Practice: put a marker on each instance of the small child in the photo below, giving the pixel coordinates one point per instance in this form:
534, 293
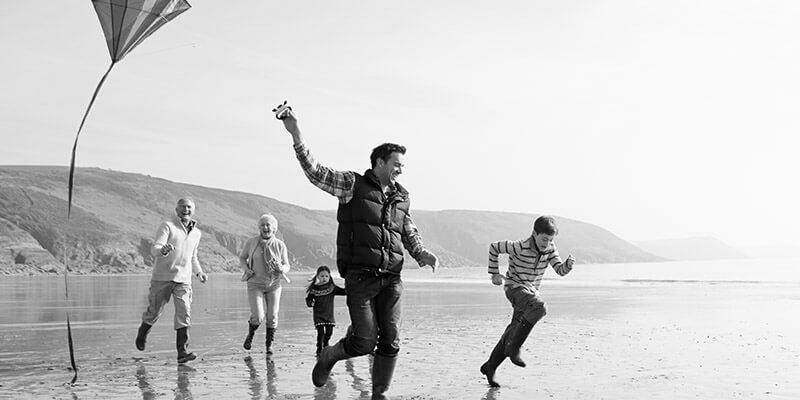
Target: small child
321, 291
527, 261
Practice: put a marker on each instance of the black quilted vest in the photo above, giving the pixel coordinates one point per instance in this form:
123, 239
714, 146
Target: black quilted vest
370, 228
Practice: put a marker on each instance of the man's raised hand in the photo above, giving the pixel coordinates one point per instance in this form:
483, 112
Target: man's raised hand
284, 113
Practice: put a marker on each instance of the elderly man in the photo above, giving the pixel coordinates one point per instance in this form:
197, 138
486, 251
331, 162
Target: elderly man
175, 252
375, 226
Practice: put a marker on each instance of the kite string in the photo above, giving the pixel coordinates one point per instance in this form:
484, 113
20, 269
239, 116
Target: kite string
75, 145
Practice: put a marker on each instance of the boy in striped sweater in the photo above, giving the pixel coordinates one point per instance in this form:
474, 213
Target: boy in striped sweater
527, 261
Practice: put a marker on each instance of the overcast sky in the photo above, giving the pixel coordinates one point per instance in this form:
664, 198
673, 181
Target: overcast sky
653, 119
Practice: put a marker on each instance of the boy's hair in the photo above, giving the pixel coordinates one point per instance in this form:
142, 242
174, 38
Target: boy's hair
384, 151
545, 224
313, 279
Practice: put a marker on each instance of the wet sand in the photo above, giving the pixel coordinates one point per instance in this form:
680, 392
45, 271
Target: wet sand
603, 340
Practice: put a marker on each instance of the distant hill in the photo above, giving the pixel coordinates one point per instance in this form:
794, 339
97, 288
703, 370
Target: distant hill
115, 215
694, 248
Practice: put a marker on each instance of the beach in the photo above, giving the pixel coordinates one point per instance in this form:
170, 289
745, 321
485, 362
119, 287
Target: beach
601, 339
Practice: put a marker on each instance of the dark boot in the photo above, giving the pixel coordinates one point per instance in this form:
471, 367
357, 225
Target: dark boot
382, 371
182, 342
495, 359
515, 340
325, 362
270, 339
248, 341
141, 336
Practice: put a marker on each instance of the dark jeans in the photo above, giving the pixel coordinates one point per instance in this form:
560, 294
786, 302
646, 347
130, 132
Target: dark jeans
374, 305
527, 306
526, 303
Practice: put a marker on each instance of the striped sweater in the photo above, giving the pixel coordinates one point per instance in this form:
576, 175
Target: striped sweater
526, 264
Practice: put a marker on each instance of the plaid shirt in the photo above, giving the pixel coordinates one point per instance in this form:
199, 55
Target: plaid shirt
341, 184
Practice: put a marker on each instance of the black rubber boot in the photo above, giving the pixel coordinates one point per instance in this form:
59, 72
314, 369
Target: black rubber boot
248, 341
325, 362
141, 336
181, 343
495, 359
515, 340
382, 371
270, 339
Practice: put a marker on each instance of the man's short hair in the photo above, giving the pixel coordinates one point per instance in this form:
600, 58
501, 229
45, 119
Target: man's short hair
385, 151
545, 224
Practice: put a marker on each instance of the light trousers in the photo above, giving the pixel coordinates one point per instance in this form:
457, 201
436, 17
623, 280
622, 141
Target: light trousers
265, 302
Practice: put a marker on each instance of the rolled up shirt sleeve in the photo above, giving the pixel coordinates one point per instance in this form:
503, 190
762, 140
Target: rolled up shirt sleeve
412, 240
336, 183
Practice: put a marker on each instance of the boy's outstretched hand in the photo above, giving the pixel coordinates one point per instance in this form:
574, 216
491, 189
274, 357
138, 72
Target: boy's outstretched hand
497, 279
570, 261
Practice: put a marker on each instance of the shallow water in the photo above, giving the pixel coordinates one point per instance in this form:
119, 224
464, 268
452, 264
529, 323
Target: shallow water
602, 338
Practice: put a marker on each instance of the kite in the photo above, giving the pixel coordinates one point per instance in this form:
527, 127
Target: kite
126, 23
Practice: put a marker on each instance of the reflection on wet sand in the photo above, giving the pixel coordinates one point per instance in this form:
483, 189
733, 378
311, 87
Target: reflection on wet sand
256, 385
148, 392
360, 385
182, 392
272, 378
491, 394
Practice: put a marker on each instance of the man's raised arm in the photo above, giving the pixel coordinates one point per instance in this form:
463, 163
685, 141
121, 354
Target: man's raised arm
337, 183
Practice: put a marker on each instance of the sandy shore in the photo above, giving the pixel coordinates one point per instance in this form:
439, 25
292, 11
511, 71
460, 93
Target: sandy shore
604, 341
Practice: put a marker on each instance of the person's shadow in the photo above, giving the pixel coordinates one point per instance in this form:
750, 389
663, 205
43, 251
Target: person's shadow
256, 384
143, 381
183, 392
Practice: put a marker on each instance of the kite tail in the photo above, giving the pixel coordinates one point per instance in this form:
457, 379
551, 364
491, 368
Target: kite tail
75, 146
69, 326
71, 352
